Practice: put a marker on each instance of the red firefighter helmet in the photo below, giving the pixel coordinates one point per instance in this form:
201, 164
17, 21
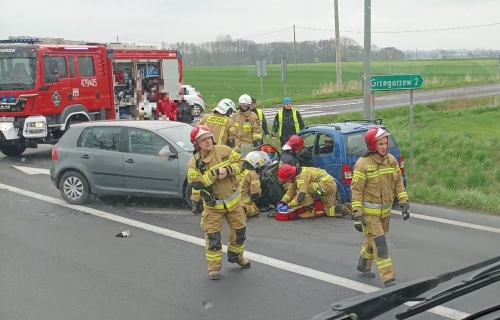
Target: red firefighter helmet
372, 135
286, 172
198, 131
295, 143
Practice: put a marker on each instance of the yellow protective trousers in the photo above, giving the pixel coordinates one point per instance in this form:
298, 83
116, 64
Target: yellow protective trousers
375, 246
211, 223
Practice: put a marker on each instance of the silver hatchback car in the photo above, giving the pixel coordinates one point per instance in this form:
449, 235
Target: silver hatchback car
124, 157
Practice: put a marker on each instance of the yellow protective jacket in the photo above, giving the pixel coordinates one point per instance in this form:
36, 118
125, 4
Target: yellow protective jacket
247, 126
222, 127
306, 182
249, 183
375, 182
226, 191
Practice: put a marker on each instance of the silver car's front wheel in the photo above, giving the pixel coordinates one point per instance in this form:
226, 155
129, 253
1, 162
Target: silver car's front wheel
74, 188
197, 110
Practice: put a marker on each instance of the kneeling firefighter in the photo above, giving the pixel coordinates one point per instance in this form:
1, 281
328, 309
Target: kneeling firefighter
249, 181
213, 171
306, 185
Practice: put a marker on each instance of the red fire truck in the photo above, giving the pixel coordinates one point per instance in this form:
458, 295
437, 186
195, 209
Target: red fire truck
44, 88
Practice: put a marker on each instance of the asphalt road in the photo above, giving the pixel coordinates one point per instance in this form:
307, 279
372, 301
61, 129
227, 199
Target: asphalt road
383, 101
64, 262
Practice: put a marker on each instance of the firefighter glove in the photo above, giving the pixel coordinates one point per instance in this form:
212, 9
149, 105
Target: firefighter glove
358, 223
405, 210
281, 207
257, 142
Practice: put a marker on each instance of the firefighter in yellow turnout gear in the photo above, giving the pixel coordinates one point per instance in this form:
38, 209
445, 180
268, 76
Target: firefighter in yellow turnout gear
224, 132
376, 180
307, 184
248, 128
249, 181
213, 171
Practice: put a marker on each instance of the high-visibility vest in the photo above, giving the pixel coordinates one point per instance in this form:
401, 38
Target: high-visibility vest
260, 114
280, 121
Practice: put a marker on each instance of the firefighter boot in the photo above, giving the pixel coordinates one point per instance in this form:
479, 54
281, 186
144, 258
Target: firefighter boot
366, 273
309, 214
390, 283
242, 262
214, 275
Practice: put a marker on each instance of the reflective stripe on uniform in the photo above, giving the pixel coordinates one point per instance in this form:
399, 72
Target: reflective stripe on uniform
384, 263
213, 257
366, 255
229, 202
375, 208
236, 249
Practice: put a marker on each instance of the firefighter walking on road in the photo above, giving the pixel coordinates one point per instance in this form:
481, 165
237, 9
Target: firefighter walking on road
376, 180
287, 122
248, 129
224, 132
213, 171
307, 185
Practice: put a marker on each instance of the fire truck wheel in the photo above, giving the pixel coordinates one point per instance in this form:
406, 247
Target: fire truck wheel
74, 188
12, 151
197, 110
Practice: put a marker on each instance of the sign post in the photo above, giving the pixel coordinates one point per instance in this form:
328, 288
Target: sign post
399, 82
283, 72
261, 67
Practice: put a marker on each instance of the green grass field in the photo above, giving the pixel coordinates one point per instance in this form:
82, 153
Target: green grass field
456, 148
316, 81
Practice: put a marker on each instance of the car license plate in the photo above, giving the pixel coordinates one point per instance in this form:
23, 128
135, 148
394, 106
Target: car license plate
6, 119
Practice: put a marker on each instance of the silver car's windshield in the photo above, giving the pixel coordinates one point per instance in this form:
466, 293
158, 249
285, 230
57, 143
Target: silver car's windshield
180, 135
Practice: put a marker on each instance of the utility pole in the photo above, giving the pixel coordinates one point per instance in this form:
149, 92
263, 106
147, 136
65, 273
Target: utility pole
367, 114
294, 48
117, 39
337, 47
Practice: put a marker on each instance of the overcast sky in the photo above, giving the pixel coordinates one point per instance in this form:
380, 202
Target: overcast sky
154, 21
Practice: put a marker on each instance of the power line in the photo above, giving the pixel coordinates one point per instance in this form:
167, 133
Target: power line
409, 31
254, 36
264, 34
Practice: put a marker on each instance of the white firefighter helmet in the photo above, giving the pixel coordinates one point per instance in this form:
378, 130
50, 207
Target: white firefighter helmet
225, 106
245, 99
258, 159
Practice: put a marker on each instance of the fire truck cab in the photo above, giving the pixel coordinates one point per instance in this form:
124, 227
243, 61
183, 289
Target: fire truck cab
44, 88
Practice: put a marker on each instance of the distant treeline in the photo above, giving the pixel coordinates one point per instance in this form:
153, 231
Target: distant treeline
225, 51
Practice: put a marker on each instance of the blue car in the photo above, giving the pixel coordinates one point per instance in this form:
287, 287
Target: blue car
338, 158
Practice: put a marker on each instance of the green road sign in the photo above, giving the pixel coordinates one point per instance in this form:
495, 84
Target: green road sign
396, 82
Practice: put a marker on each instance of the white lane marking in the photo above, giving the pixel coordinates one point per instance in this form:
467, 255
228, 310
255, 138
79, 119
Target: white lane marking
283, 265
31, 171
452, 222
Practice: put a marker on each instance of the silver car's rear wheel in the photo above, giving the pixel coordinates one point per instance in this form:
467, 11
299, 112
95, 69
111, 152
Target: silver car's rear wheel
74, 188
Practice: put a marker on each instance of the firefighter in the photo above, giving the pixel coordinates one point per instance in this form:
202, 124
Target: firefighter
262, 118
248, 129
376, 180
249, 181
295, 153
307, 185
213, 170
222, 128
287, 122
